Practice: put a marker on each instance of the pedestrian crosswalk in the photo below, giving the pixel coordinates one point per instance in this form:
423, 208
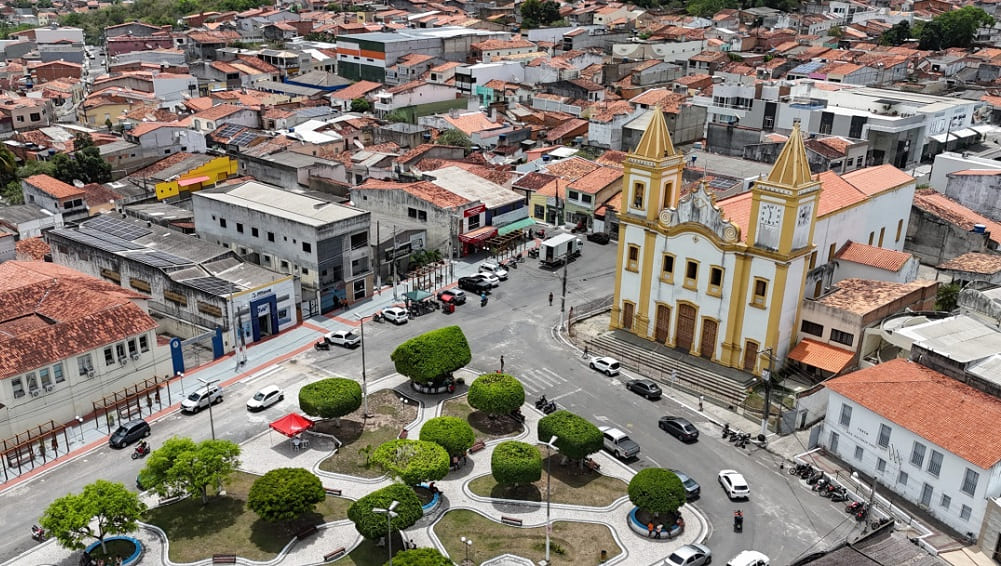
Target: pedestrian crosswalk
538, 380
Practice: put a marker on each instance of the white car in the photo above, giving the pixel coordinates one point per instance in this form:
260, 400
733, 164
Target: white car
606, 365
490, 278
494, 268
734, 484
396, 315
690, 555
749, 558
346, 338
267, 396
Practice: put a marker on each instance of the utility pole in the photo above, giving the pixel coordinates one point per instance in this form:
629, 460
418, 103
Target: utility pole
563, 299
378, 257
766, 378
396, 297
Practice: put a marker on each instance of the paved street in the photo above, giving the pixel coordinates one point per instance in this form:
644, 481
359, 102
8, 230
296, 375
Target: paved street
783, 519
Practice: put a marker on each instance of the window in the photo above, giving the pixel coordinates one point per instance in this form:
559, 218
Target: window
902, 477
83, 364
935, 463
842, 337
359, 240
880, 465
859, 452
872, 235
18, 387
45, 376
586, 199
474, 222
222, 222
834, 442
132, 347
813, 328
846, 416
882, 233
271, 236
633, 258
109, 356
691, 273
715, 280
918, 455
285, 265
813, 259
831, 251
540, 211
638, 189
57, 373
964, 512
926, 492
667, 268
254, 232
305, 271
760, 290
359, 289
945, 502
32, 382
573, 195
884, 436
900, 226
307, 247
970, 480
239, 227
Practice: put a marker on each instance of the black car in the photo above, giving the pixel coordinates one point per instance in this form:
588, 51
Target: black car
474, 284
645, 387
599, 237
129, 433
692, 488
679, 427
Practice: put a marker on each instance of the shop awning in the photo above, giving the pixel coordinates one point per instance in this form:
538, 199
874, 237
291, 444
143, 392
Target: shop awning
965, 133
479, 235
822, 356
516, 225
193, 181
417, 295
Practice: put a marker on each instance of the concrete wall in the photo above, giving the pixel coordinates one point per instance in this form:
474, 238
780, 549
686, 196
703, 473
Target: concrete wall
831, 319
977, 192
390, 207
933, 240
730, 141
852, 270
950, 162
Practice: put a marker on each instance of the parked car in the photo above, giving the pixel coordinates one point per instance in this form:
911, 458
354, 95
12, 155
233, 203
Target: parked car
396, 315
493, 268
474, 284
734, 484
347, 338
265, 397
490, 278
606, 365
458, 296
599, 237
202, 398
690, 555
679, 427
645, 387
128, 433
749, 558
692, 488
619, 443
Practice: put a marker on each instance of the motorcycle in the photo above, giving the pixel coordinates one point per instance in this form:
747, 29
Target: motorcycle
142, 450
549, 408
812, 480
541, 402
726, 430
838, 496
321, 345
807, 472
829, 490
534, 253
735, 435
880, 522
377, 317
738, 522
38, 533
483, 301
862, 513
854, 506
821, 484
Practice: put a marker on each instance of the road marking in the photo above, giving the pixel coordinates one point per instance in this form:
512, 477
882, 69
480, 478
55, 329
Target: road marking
261, 374
654, 462
601, 418
567, 394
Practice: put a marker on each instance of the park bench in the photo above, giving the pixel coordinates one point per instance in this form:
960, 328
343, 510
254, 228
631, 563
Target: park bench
331, 555
510, 520
334, 492
224, 559
592, 465
404, 433
477, 446
306, 532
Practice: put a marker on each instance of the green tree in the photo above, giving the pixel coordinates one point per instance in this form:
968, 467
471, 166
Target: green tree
516, 463
360, 105
496, 394
397, 116
657, 490
11, 193
454, 137
330, 398
896, 35
947, 297
182, 466
285, 493
835, 31
412, 461
85, 164
576, 436
451, 433
372, 525
103, 508
709, 8
956, 28
432, 357
421, 557
539, 13
8, 166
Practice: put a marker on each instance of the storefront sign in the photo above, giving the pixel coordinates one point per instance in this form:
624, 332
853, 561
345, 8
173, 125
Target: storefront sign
478, 209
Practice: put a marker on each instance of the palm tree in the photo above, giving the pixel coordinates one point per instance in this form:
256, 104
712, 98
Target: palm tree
8, 166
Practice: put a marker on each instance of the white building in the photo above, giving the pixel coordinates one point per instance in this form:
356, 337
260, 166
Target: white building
926, 437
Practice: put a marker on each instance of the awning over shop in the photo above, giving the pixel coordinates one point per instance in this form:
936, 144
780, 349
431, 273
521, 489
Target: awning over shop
516, 225
479, 235
417, 295
193, 181
965, 133
822, 356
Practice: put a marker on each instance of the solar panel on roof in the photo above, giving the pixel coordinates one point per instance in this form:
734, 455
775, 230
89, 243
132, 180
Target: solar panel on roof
117, 227
229, 130
92, 241
721, 183
244, 138
212, 285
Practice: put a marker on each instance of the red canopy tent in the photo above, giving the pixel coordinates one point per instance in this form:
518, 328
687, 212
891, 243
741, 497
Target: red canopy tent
292, 424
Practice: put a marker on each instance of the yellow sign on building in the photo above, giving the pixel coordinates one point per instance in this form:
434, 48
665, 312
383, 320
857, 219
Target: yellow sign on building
197, 178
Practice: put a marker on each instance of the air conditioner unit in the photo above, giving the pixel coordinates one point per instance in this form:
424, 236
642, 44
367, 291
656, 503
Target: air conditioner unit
90, 373
135, 356
34, 393
123, 361
48, 389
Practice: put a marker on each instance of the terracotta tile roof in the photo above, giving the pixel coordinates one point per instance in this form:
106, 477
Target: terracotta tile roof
942, 410
170, 160
470, 122
651, 97
612, 158
220, 111
572, 168
556, 188
837, 194
597, 180
147, 127
973, 262
424, 190
737, 209
863, 296
533, 181
821, 355
936, 203
874, 180
414, 153
32, 248
566, 128
492, 44
50, 313
873, 256
976, 172
53, 187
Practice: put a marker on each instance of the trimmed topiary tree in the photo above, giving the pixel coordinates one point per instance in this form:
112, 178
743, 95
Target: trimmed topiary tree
496, 394
431, 358
657, 490
372, 525
285, 493
577, 438
451, 433
330, 398
421, 557
516, 463
412, 461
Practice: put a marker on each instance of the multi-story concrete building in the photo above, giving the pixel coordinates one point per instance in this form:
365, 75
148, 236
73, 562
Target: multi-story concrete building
325, 245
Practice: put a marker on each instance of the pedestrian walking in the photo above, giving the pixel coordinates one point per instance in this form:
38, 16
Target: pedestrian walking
649, 529
701, 399
502, 363
584, 355
550, 298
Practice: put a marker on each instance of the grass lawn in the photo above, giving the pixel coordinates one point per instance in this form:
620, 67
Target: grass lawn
390, 416
226, 526
569, 485
485, 427
580, 543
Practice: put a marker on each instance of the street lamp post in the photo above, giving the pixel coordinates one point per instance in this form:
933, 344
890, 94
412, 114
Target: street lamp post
79, 419
466, 543
364, 377
390, 514
207, 383
550, 446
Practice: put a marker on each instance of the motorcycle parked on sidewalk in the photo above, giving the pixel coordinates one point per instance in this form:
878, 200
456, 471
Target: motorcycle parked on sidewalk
541, 402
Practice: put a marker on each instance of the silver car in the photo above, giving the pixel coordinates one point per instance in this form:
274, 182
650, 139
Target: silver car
690, 555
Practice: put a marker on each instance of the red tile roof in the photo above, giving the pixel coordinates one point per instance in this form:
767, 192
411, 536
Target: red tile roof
597, 180
33, 248
53, 187
934, 202
973, 262
424, 190
874, 180
939, 409
873, 256
821, 355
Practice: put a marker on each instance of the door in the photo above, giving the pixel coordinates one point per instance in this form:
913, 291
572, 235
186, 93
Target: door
750, 356
627, 316
685, 334
663, 323
926, 492
708, 346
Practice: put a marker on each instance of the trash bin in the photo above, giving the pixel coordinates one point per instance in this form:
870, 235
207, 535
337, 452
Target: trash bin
449, 307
